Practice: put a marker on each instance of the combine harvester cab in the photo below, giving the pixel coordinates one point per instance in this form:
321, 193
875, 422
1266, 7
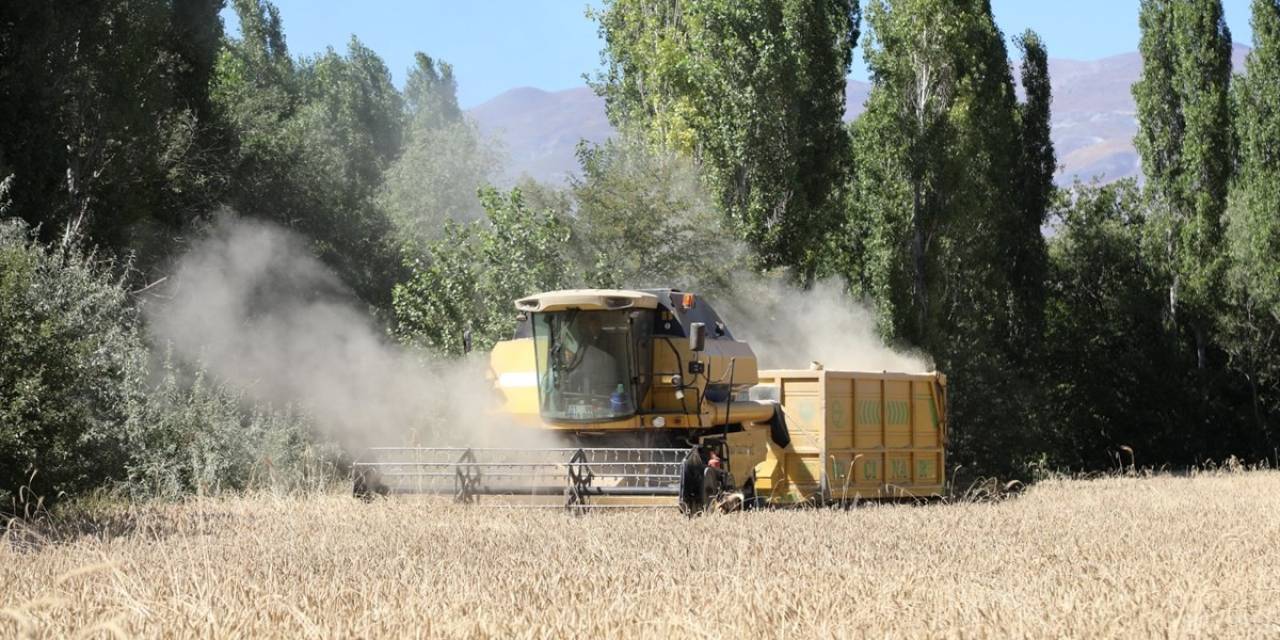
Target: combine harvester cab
654, 403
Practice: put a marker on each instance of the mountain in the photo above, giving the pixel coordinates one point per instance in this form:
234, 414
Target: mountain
539, 130
1093, 120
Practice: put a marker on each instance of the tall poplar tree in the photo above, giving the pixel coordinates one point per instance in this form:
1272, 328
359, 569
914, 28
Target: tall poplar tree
935, 218
444, 163
313, 138
1253, 220
937, 155
1255, 216
754, 91
1035, 188
1184, 140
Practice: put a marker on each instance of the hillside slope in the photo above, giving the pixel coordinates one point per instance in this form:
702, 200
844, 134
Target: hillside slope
1093, 120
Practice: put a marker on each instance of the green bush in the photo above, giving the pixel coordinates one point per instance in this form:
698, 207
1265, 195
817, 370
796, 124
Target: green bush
69, 339
83, 405
189, 434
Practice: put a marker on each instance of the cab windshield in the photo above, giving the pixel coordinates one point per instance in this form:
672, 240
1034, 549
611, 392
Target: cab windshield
584, 365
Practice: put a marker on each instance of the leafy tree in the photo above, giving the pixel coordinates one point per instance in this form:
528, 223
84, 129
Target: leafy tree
444, 163
81, 407
1251, 325
431, 94
936, 152
1184, 140
1114, 373
314, 139
1035, 190
476, 272
188, 433
1106, 350
643, 219
1255, 220
754, 92
937, 234
110, 134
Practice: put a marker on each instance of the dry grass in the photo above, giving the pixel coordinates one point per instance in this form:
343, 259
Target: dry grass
1117, 557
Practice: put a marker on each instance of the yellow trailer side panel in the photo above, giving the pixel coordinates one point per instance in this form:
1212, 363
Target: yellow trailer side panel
859, 434
897, 414
840, 414
924, 416
801, 398
870, 429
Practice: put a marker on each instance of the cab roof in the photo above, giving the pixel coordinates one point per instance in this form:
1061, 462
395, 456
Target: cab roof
668, 300
589, 299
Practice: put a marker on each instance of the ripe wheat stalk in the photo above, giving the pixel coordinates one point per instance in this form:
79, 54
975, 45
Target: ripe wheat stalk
1105, 558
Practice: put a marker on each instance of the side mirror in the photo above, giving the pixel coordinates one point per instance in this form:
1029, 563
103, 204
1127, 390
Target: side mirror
697, 336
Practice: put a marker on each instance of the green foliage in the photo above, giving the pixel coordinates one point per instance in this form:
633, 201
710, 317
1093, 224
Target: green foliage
314, 140
1113, 372
1038, 163
1255, 213
943, 234
1105, 344
1251, 325
69, 337
476, 272
108, 133
754, 91
643, 220
431, 94
131, 121
190, 434
936, 156
444, 163
1184, 140
80, 405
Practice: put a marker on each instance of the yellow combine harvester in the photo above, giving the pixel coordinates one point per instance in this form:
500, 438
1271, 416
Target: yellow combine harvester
657, 404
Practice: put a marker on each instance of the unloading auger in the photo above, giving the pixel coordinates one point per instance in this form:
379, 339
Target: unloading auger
663, 407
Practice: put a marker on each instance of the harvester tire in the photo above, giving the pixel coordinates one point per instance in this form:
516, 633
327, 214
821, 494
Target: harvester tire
749, 495
366, 486
712, 485
693, 497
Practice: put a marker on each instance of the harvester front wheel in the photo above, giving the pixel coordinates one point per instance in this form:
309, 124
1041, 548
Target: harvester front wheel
749, 499
712, 485
366, 485
693, 496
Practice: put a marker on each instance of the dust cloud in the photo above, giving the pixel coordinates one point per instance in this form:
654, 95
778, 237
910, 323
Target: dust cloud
789, 327
257, 310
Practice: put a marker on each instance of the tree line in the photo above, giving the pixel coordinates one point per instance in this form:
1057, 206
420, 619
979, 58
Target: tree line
1071, 321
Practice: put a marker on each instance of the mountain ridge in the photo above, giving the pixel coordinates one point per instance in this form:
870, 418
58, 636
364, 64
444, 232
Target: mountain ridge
1093, 121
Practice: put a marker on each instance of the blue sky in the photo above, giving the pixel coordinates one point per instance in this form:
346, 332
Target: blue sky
499, 45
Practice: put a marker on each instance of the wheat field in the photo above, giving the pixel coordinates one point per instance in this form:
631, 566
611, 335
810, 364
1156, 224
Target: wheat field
1106, 558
